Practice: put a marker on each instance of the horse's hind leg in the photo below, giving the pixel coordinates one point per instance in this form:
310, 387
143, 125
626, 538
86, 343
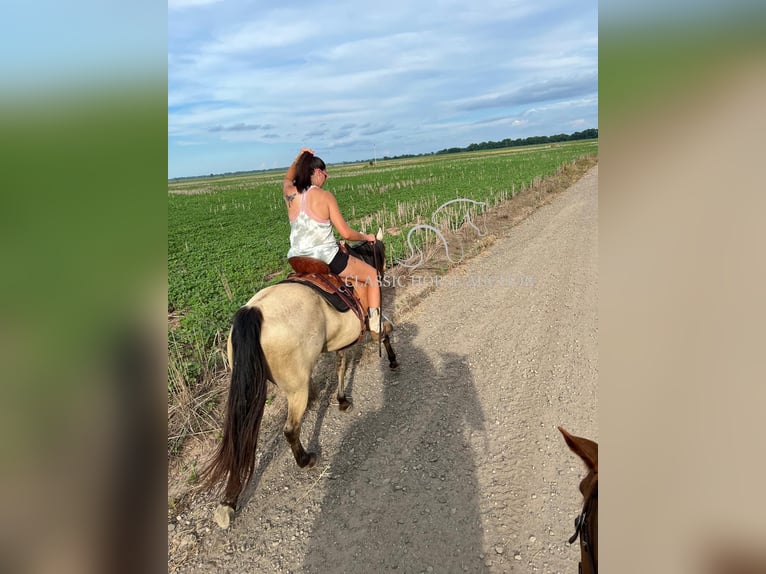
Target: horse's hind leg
340, 369
312, 392
296, 407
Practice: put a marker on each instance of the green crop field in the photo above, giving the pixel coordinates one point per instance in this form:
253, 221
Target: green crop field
228, 236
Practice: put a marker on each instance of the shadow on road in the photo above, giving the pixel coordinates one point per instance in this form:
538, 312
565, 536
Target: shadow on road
404, 493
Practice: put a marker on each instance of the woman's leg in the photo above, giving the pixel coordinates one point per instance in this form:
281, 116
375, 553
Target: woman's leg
366, 275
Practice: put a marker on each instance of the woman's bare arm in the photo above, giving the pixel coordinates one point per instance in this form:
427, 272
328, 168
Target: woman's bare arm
289, 191
340, 224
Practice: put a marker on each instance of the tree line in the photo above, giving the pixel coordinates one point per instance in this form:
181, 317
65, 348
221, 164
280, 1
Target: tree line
588, 134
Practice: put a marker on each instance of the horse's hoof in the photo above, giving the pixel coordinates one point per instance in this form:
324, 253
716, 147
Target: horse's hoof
223, 515
392, 365
307, 460
344, 404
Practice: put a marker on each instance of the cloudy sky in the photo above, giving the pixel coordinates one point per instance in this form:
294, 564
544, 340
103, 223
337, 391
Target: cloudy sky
252, 81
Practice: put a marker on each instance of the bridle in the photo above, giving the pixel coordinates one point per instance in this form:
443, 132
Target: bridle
582, 529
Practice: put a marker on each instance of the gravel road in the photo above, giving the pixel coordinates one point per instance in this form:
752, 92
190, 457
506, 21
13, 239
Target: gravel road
452, 463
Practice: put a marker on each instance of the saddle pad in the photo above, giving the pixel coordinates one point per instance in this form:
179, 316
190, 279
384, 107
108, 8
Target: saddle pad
332, 298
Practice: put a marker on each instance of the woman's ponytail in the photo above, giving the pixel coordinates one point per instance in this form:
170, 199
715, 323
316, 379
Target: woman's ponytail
304, 168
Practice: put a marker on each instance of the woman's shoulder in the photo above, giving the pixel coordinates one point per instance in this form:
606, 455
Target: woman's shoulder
320, 192
321, 201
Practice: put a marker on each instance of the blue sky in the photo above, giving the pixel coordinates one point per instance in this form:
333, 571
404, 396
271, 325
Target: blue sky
251, 82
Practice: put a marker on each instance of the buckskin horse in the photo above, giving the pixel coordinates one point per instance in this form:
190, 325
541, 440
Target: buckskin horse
586, 524
278, 336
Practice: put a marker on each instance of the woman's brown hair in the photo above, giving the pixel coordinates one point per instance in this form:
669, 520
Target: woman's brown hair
304, 169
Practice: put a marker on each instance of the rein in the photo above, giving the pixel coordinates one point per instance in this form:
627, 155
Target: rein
582, 529
378, 266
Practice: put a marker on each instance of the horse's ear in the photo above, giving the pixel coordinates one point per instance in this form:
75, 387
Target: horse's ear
586, 449
380, 234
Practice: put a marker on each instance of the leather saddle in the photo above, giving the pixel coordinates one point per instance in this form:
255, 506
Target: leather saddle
317, 275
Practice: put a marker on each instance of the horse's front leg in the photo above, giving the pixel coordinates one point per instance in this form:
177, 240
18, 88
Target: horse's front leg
387, 330
340, 369
392, 363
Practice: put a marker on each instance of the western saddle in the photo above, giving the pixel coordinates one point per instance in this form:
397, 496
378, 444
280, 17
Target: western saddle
339, 293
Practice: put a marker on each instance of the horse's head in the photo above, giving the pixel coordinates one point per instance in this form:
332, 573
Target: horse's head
586, 524
372, 253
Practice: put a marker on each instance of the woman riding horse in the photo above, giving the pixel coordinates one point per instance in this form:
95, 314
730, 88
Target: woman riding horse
279, 334
312, 218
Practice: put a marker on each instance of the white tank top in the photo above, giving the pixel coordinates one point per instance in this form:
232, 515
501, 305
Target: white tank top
311, 236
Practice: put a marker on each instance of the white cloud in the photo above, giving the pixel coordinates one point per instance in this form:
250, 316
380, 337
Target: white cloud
182, 4
333, 75
584, 102
255, 36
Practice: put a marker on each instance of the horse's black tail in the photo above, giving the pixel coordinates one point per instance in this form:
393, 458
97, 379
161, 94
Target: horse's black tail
235, 458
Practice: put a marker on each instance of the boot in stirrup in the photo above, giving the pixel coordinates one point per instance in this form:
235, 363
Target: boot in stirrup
378, 323
373, 320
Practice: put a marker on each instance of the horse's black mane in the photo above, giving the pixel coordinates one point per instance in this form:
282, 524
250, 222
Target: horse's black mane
370, 253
